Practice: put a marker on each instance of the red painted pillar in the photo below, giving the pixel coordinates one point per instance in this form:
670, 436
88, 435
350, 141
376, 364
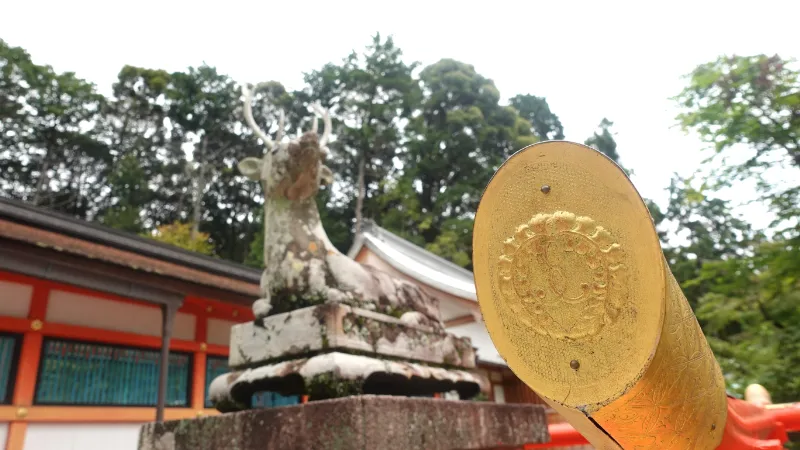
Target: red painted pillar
199, 369
28, 366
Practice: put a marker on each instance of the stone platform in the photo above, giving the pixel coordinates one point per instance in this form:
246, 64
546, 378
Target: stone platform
340, 327
358, 423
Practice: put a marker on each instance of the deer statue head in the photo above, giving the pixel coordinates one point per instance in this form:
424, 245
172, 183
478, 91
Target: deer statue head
291, 170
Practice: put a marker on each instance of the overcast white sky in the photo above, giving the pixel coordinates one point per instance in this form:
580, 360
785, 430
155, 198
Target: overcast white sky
591, 59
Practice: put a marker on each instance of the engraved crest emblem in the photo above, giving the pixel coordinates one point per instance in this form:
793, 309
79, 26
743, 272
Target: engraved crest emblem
563, 276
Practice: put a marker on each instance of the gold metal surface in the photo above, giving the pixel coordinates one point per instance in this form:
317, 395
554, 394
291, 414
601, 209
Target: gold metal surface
680, 403
578, 299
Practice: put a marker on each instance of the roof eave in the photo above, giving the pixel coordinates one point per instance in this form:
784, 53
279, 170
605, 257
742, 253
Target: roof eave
491, 363
91, 252
18, 212
358, 243
414, 274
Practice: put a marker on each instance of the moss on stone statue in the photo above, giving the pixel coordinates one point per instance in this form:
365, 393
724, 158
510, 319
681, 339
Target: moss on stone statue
396, 312
285, 300
372, 331
326, 385
481, 397
230, 405
323, 334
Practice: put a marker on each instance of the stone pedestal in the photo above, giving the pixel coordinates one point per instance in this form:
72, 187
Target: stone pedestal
334, 350
358, 423
327, 327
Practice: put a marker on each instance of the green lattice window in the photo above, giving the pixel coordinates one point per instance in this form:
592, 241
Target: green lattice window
215, 366
77, 373
9, 353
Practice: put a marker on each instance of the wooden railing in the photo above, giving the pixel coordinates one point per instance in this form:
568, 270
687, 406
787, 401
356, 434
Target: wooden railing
749, 427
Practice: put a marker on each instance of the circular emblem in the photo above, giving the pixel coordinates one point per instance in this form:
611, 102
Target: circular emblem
563, 276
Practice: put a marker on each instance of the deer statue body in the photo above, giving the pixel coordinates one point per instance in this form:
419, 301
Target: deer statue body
301, 266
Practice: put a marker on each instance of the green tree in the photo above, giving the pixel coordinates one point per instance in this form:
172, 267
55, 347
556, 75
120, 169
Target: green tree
458, 137
603, 140
749, 291
180, 235
749, 316
128, 183
372, 92
15, 67
708, 231
206, 116
255, 255
545, 125
140, 186
52, 155
752, 103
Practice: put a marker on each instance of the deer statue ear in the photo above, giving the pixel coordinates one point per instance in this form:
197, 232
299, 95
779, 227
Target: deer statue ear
251, 167
325, 175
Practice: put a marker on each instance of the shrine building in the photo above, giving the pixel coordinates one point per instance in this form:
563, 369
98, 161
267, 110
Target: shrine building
87, 313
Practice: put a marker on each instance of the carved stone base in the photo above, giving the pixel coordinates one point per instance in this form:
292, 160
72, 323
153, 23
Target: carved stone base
358, 423
339, 327
337, 374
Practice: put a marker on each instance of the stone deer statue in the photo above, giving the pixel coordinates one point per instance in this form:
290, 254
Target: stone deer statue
301, 266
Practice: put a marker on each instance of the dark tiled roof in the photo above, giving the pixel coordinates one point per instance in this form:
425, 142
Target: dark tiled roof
42, 219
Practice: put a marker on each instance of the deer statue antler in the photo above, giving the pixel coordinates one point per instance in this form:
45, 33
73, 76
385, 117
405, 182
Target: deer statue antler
281, 124
326, 120
248, 114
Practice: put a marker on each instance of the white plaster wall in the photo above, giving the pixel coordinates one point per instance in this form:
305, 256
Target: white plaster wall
219, 331
46, 436
84, 310
3, 432
185, 325
451, 310
499, 393
15, 299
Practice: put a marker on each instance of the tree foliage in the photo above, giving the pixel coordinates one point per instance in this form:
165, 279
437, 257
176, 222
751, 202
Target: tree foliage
457, 139
411, 150
544, 123
52, 154
373, 91
180, 235
134, 129
603, 140
745, 285
751, 103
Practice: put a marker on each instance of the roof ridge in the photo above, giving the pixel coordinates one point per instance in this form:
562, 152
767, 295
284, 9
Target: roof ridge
406, 242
